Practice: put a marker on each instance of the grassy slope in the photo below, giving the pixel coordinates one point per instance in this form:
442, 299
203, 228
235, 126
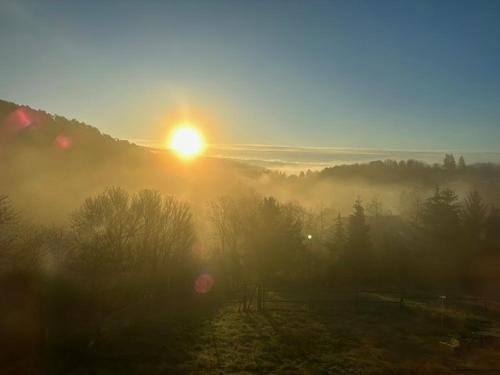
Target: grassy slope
377, 339
203, 339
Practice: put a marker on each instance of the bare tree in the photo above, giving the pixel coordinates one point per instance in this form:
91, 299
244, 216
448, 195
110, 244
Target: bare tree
227, 218
146, 230
6, 212
7, 219
473, 214
104, 227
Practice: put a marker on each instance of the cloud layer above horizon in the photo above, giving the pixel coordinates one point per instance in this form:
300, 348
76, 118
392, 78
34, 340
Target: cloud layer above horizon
293, 160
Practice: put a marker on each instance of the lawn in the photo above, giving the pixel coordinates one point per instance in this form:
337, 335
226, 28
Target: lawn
374, 338
212, 337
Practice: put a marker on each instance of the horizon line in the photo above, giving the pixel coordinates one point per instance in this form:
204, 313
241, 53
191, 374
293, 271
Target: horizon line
290, 148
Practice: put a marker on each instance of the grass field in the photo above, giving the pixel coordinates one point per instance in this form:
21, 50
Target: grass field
213, 337
371, 339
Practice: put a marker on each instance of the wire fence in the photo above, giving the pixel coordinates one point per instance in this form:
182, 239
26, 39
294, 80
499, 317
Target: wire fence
260, 298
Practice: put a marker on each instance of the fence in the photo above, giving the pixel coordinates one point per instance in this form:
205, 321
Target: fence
266, 299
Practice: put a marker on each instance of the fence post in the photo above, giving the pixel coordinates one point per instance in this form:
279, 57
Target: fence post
245, 298
259, 297
356, 299
263, 297
443, 307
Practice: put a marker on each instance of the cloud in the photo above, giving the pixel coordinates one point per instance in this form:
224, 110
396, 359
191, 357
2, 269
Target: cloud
293, 159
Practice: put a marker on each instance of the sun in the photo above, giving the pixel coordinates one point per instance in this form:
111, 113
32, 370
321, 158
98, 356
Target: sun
187, 141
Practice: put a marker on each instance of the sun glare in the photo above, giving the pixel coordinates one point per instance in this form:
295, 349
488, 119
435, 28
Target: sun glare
187, 141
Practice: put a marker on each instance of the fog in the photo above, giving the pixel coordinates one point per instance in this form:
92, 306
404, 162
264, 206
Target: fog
101, 238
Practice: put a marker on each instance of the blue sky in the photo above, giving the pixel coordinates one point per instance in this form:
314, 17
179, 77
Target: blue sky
364, 74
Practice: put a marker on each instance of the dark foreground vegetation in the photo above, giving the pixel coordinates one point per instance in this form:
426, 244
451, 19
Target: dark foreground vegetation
132, 283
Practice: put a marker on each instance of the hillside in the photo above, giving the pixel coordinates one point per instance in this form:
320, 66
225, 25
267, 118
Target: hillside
50, 161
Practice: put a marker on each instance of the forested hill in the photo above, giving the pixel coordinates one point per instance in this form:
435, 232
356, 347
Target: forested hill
50, 164
414, 171
23, 126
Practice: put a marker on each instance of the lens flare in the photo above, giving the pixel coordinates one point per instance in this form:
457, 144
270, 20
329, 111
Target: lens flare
63, 142
23, 118
204, 283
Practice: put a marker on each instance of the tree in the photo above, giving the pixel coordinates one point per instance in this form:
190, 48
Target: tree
7, 218
6, 212
358, 230
461, 163
374, 208
273, 241
473, 215
7, 233
492, 229
316, 223
227, 216
358, 244
104, 227
440, 215
114, 230
164, 236
440, 229
339, 236
449, 162
411, 207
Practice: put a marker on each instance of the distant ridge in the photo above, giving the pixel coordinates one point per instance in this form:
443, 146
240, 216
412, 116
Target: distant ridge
50, 161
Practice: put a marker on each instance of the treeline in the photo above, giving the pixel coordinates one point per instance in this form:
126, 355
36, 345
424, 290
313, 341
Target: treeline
394, 170
22, 126
409, 171
112, 235
438, 243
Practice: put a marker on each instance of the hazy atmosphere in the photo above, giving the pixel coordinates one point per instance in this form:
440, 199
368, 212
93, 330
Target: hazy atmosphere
249, 187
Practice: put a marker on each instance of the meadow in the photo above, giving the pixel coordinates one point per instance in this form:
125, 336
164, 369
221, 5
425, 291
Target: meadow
375, 335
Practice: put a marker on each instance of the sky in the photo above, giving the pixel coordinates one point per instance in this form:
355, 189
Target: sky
405, 75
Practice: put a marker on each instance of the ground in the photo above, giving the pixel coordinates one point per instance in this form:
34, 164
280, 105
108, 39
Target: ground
376, 335
417, 338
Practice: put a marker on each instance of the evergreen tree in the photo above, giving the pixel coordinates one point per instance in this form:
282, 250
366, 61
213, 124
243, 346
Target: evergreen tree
273, 240
461, 163
492, 230
358, 244
449, 162
440, 216
339, 238
358, 229
440, 228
